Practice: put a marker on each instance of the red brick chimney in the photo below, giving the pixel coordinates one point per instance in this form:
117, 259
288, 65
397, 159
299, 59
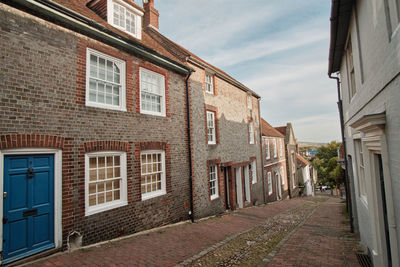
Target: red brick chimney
150, 14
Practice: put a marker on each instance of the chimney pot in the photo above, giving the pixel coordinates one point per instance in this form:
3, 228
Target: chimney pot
151, 14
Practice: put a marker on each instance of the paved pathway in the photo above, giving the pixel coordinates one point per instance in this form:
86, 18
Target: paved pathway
170, 246
322, 239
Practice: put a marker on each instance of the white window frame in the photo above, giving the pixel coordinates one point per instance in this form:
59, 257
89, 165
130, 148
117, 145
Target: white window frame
209, 85
362, 187
275, 149
254, 172
163, 190
137, 14
214, 135
123, 201
121, 64
162, 95
267, 152
251, 132
280, 148
216, 195
269, 183
282, 175
249, 102
350, 69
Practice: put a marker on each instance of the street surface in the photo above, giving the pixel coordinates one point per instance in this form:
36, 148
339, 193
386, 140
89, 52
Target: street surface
298, 232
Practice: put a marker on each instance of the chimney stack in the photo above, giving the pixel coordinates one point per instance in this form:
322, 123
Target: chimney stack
150, 14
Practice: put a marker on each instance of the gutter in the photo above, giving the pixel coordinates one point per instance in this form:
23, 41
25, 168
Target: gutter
346, 175
332, 54
74, 21
261, 152
191, 212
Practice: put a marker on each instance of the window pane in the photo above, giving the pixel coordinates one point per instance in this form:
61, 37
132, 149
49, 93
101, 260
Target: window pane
92, 188
109, 196
109, 185
117, 172
102, 174
110, 173
93, 175
100, 198
116, 184
116, 195
92, 200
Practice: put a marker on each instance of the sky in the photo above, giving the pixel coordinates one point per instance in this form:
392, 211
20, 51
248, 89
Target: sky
277, 48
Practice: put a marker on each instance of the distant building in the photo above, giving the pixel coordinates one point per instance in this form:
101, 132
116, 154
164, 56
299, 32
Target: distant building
291, 161
274, 158
365, 55
305, 174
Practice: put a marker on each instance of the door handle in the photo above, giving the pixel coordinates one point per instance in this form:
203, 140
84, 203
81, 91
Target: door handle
30, 173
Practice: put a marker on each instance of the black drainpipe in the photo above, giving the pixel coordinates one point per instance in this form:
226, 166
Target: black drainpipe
346, 176
191, 212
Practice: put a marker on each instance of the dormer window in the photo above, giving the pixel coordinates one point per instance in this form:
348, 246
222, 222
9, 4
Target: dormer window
125, 17
209, 83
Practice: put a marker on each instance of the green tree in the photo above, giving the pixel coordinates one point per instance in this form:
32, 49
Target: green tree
329, 171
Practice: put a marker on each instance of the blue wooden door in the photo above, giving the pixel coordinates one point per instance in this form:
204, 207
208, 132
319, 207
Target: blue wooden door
28, 212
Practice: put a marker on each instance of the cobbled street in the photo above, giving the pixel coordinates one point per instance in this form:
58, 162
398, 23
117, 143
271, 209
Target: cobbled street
299, 232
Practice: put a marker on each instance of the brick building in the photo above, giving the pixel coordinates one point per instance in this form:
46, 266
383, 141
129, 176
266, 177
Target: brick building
97, 111
93, 126
291, 150
274, 158
225, 134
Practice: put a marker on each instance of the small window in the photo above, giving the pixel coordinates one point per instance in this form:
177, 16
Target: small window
267, 149
269, 183
280, 147
211, 127
249, 102
105, 81
152, 93
350, 66
209, 83
275, 149
251, 132
105, 181
152, 165
254, 171
213, 182
361, 170
125, 18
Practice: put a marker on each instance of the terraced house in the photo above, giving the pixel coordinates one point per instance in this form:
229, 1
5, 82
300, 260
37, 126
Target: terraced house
103, 133
274, 158
225, 133
291, 150
93, 126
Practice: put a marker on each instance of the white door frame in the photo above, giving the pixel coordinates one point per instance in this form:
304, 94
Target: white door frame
278, 185
247, 182
239, 188
374, 142
57, 187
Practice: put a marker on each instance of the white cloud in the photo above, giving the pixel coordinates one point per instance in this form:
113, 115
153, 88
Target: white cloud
278, 48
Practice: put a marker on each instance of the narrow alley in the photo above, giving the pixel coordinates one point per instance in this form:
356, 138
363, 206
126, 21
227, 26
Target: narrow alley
298, 232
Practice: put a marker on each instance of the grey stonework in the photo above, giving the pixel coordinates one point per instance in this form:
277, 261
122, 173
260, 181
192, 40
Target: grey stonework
233, 146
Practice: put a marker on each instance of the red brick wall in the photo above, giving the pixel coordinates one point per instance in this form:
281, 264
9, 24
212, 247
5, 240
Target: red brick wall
44, 106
